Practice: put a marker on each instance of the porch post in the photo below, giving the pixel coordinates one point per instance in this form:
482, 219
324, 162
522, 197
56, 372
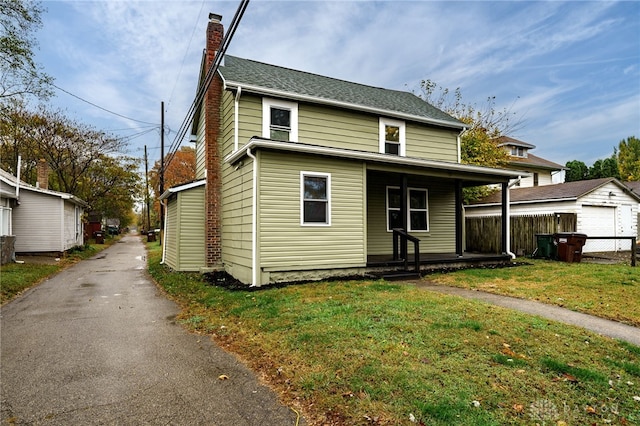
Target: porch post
404, 214
459, 218
505, 217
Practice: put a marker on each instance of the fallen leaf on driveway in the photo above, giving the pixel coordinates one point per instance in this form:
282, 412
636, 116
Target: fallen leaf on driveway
223, 377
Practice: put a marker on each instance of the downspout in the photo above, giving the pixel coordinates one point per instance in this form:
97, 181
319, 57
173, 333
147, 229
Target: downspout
508, 214
18, 178
254, 224
236, 113
459, 144
164, 233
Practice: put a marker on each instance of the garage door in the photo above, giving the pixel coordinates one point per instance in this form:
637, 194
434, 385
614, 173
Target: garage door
598, 221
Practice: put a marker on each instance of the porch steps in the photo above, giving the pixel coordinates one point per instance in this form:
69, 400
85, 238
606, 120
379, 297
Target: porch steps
400, 275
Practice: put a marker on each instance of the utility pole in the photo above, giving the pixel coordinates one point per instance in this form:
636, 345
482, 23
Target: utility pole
161, 164
146, 178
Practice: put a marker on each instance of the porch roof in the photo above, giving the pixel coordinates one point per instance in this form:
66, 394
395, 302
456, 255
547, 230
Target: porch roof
477, 174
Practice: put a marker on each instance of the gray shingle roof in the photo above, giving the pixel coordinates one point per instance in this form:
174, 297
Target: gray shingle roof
568, 190
300, 84
534, 161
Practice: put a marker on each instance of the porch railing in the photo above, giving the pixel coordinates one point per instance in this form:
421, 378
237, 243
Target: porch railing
400, 239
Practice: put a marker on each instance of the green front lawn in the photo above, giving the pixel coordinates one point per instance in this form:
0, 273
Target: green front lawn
607, 291
374, 352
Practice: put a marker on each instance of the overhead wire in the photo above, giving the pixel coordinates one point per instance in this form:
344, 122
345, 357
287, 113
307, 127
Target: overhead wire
213, 69
102, 108
184, 58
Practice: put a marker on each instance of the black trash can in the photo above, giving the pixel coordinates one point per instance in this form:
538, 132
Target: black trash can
546, 246
569, 246
151, 236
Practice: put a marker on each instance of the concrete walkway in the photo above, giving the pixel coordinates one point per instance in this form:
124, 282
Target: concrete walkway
601, 326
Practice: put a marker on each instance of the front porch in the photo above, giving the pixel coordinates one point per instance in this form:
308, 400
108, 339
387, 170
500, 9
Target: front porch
434, 261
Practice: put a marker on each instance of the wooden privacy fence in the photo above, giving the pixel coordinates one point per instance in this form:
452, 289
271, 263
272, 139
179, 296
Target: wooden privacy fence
484, 234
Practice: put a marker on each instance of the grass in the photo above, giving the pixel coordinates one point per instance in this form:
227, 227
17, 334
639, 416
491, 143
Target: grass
374, 352
15, 278
607, 291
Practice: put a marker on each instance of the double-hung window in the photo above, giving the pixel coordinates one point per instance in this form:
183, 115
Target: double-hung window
417, 209
279, 120
315, 198
392, 137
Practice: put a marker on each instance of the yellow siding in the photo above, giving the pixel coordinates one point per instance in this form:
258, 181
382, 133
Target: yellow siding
227, 123
441, 199
172, 233
337, 128
191, 237
341, 128
200, 159
431, 143
237, 214
284, 242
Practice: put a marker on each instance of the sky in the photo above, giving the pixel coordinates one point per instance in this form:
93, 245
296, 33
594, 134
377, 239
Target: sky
567, 72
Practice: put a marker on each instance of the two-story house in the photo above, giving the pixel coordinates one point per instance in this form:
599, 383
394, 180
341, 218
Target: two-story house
541, 171
307, 177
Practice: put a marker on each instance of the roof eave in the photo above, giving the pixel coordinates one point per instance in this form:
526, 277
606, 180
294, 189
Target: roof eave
260, 90
166, 194
539, 200
256, 142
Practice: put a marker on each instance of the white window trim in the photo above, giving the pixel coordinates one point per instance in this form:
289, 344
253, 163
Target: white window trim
386, 194
386, 202
426, 209
267, 103
382, 135
304, 174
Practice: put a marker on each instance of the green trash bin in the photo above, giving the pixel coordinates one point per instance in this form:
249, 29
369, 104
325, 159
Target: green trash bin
546, 246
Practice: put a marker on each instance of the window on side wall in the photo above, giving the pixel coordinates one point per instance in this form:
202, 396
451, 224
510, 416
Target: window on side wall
279, 120
417, 209
315, 199
392, 137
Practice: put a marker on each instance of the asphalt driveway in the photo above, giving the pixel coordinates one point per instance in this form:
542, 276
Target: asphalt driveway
98, 344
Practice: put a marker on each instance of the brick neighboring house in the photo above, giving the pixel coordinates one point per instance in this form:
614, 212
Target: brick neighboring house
308, 177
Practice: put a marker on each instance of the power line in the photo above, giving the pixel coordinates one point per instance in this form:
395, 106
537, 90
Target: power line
195, 27
99, 107
205, 86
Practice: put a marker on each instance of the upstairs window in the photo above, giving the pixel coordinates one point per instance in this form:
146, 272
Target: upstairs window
392, 137
279, 120
517, 151
315, 198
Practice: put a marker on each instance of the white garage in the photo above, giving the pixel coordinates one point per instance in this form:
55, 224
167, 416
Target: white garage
603, 207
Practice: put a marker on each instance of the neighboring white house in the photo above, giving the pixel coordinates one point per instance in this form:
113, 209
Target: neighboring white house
42, 220
604, 207
542, 172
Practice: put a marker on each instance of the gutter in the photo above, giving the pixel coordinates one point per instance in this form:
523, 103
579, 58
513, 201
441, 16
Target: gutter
236, 113
18, 178
164, 233
254, 224
550, 200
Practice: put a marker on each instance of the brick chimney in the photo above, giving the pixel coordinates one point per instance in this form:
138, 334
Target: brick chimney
43, 174
213, 162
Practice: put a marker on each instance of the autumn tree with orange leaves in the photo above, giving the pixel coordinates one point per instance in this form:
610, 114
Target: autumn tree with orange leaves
180, 168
